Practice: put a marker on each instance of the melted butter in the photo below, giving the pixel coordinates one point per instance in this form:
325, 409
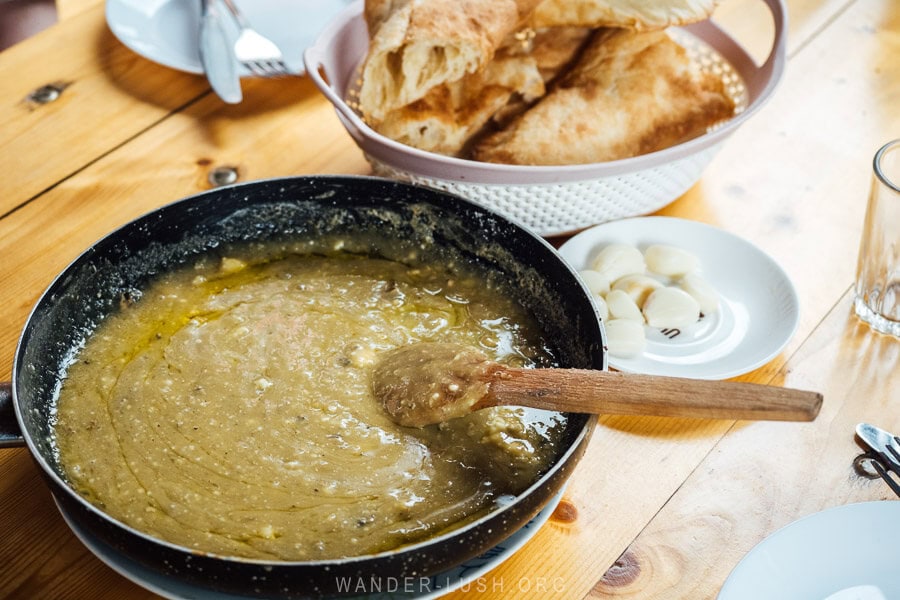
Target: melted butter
229, 409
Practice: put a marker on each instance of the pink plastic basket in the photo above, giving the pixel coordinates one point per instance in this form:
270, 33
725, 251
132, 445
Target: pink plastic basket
554, 199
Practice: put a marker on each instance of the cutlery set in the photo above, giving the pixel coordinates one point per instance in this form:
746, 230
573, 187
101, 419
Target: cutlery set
885, 449
223, 58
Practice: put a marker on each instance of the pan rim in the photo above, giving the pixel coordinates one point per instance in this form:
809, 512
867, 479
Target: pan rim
575, 444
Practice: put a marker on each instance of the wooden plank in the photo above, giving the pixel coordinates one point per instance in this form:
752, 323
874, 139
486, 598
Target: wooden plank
136, 93
762, 476
794, 180
630, 469
284, 128
66, 9
44, 559
736, 496
767, 193
109, 95
750, 22
779, 182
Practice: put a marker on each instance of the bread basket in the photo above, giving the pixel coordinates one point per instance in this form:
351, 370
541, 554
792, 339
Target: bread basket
554, 200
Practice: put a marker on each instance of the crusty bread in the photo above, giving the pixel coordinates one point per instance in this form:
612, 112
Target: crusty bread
376, 12
419, 44
553, 50
640, 15
450, 114
629, 93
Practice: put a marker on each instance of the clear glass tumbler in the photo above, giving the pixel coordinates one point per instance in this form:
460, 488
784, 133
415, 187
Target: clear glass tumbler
878, 270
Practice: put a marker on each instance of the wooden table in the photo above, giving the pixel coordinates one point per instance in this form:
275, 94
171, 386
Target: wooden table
658, 508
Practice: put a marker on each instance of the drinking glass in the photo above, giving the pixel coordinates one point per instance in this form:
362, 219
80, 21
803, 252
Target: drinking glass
878, 270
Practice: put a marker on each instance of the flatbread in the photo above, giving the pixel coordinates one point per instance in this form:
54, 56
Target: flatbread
639, 15
553, 50
451, 114
629, 93
376, 12
419, 44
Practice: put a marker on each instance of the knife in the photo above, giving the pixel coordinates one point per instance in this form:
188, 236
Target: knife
887, 449
216, 55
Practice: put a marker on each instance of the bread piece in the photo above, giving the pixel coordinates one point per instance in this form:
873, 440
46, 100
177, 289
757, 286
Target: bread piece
553, 50
628, 94
420, 44
450, 114
640, 15
376, 12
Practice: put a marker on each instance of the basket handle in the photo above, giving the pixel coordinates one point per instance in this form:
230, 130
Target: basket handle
760, 79
770, 71
315, 59
313, 66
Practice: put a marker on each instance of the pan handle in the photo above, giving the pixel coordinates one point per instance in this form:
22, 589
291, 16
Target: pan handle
10, 434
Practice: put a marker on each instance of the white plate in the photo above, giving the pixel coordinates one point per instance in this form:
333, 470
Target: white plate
849, 552
165, 31
758, 311
467, 575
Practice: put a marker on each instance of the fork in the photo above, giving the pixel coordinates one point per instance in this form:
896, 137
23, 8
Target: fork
885, 453
887, 464
259, 55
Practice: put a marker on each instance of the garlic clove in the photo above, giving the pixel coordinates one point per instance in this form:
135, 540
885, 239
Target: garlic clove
702, 291
597, 283
622, 306
637, 286
618, 260
670, 307
670, 261
625, 337
602, 307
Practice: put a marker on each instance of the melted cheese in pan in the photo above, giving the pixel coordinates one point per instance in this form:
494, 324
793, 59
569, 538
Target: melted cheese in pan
229, 410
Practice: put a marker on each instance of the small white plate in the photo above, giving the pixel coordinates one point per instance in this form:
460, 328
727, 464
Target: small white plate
844, 553
166, 31
468, 575
758, 309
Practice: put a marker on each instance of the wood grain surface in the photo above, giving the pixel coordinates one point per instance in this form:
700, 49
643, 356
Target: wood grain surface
658, 507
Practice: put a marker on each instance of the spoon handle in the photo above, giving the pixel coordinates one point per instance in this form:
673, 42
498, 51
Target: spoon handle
609, 392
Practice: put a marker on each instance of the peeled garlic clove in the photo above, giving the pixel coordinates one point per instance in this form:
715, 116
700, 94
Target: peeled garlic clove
625, 337
637, 286
597, 283
670, 260
671, 307
602, 308
618, 260
622, 306
702, 291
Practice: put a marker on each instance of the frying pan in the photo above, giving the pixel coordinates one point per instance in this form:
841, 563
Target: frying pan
437, 225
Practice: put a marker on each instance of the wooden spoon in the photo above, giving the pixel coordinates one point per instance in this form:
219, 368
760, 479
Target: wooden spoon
427, 383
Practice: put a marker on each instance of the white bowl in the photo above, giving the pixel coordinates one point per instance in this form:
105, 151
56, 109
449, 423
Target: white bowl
552, 200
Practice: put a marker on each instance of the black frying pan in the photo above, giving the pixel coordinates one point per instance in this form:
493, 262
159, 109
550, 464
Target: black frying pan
438, 223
